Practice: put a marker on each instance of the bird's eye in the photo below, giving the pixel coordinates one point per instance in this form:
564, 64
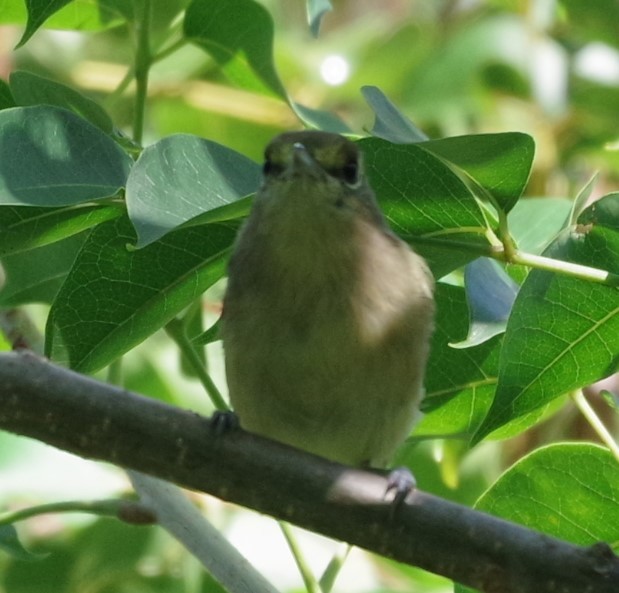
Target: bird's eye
271, 169
350, 172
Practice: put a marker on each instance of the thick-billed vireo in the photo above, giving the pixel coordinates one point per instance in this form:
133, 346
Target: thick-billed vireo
327, 315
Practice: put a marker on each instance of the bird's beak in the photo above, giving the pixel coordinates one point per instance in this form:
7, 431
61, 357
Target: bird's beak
302, 160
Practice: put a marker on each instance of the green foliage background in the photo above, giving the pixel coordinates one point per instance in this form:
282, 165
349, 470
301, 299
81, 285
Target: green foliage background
128, 156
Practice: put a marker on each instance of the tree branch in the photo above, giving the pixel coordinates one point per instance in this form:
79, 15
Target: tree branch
98, 421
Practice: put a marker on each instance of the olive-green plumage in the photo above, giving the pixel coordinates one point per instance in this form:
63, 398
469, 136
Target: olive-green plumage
328, 315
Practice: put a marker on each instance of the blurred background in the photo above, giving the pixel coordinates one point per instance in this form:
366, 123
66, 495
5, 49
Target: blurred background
549, 68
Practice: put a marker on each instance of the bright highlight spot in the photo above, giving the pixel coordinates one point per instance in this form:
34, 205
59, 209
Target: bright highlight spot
598, 62
335, 70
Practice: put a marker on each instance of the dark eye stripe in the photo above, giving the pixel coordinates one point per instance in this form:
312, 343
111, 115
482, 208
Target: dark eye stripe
271, 169
349, 173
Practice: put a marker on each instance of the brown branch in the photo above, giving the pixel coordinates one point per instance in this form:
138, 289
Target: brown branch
98, 421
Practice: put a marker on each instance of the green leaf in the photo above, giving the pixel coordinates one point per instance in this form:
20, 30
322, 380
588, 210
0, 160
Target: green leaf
230, 212
580, 203
181, 177
459, 384
534, 222
390, 123
499, 78
27, 227
443, 257
499, 163
600, 224
212, 334
9, 542
51, 157
563, 333
420, 195
6, 97
238, 34
316, 10
30, 89
319, 119
38, 12
80, 15
611, 399
111, 550
115, 297
418, 192
569, 491
36, 275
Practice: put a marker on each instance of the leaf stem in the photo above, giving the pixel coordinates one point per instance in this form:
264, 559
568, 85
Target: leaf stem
311, 584
509, 248
105, 507
560, 266
333, 568
594, 420
164, 53
143, 60
176, 330
122, 86
522, 258
477, 230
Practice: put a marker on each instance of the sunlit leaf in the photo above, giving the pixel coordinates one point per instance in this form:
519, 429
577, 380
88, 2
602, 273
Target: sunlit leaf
459, 384
238, 34
417, 191
421, 195
229, 212
569, 491
38, 12
499, 163
115, 297
28, 227
563, 333
81, 15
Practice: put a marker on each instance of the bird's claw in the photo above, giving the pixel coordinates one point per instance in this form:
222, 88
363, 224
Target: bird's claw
401, 483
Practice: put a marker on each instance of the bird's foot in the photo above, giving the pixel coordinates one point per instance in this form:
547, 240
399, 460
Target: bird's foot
401, 483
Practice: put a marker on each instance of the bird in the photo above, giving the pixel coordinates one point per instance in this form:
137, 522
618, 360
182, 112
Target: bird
328, 314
